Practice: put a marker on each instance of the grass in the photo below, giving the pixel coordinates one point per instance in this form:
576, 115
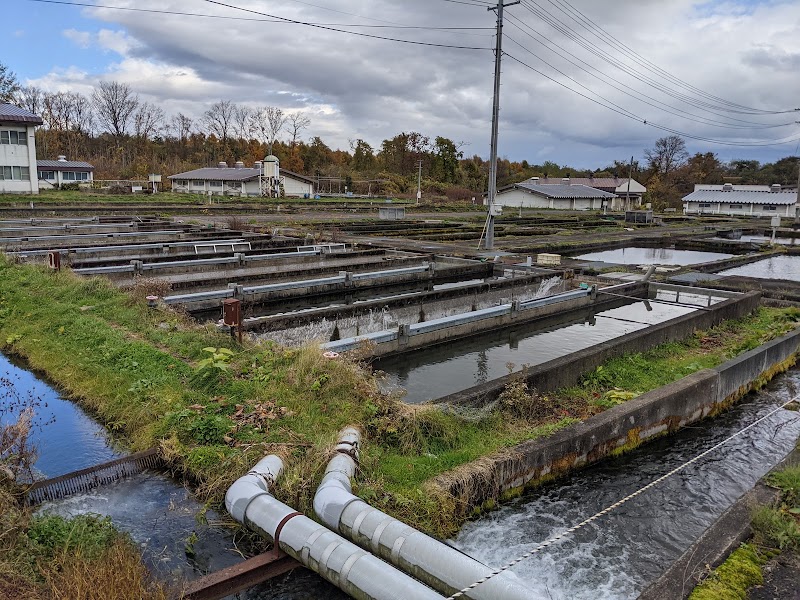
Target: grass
732, 579
150, 377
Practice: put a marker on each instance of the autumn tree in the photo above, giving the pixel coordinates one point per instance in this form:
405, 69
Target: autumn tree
9, 85
668, 154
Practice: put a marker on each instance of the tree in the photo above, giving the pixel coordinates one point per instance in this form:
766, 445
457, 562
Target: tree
30, 98
148, 121
9, 85
242, 122
668, 154
446, 157
705, 168
219, 119
181, 125
296, 122
269, 121
114, 104
363, 155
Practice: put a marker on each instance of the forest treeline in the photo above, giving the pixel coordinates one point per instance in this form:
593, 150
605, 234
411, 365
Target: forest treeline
125, 137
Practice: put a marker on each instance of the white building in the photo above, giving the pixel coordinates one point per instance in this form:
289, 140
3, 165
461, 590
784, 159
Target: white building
18, 150
741, 200
52, 173
263, 179
623, 187
564, 196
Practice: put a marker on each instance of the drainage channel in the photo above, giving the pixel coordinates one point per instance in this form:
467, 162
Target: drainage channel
434, 372
617, 556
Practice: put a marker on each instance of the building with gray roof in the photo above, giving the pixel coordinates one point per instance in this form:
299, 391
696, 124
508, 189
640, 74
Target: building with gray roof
564, 196
18, 150
53, 173
741, 200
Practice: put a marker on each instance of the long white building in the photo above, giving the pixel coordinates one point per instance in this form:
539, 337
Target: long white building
18, 174
265, 178
564, 196
741, 200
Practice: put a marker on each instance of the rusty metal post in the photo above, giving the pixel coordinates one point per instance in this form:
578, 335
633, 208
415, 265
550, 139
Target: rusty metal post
232, 315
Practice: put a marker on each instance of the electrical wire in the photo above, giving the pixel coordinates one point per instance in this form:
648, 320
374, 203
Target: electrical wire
627, 90
612, 41
254, 19
626, 113
356, 33
533, 7
550, 541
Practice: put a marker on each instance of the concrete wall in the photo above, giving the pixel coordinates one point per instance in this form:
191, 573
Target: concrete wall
567, 370
18, 155
623, 427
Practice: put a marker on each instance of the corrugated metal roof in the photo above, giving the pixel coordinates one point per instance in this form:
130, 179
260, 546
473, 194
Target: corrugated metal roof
231, 174
60, 165
743, 197
551, 190
217, 174
736, 188
15, 114
602, 183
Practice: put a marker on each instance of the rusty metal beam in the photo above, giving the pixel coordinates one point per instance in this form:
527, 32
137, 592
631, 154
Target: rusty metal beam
240, 577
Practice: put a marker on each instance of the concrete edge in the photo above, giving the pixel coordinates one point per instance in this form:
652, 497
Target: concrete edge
716, 544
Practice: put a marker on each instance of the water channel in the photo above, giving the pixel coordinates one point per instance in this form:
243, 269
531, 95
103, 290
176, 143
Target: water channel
774, 267
430, 373
617, 556
653, 256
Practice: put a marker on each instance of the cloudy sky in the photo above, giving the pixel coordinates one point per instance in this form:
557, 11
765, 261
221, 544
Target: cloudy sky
714, 70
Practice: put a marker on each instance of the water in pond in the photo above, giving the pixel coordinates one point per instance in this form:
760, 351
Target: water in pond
430, 373
653, 256
774, 267
617, 556
65, 437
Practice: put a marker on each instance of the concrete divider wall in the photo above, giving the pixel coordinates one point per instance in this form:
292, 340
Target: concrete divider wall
621, 428
567, 370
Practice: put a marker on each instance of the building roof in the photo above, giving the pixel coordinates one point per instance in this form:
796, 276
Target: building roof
231, 174
743, 196
14, 114
607, 184
63, 165
560, 190
736, 187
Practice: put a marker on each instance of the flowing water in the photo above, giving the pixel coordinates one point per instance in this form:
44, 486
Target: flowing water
430, 373
617, 556
653, 256
774, 267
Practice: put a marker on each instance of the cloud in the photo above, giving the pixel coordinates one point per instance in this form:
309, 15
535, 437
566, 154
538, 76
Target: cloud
82, 39
718, 59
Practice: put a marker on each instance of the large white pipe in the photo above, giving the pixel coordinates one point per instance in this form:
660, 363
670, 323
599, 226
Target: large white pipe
439, 565
344, 564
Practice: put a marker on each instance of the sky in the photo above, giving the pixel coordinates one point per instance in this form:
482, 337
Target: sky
718, 70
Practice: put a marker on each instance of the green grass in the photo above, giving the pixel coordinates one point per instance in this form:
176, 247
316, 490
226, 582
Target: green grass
139, 371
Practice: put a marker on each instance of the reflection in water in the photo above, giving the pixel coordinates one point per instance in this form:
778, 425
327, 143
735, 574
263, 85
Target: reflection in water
653, 256
429, 373
616, 557
774, 267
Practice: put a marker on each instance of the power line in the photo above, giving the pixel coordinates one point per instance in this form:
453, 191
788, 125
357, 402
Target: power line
627, 90
630, 115
633, 93
357, 33
607, 38
550, 541
253, 19
562, 27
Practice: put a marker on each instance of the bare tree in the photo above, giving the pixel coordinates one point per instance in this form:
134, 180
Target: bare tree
9, 85
148, 120
219, 119
268, 122
182, 126
297, 121
82, 114
668, 154
57, 111
114, 104
30, 98
242, 122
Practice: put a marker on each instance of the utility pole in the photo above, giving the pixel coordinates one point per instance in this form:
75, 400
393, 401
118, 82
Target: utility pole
419, 182
628, 193
498, 56
797, 202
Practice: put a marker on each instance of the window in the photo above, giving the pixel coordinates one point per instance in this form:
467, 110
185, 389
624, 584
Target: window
770, 207
198, 183
15, 173
74, 176
705, 205
19, 138
47, 175
735, 206
215, 184
181, 182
